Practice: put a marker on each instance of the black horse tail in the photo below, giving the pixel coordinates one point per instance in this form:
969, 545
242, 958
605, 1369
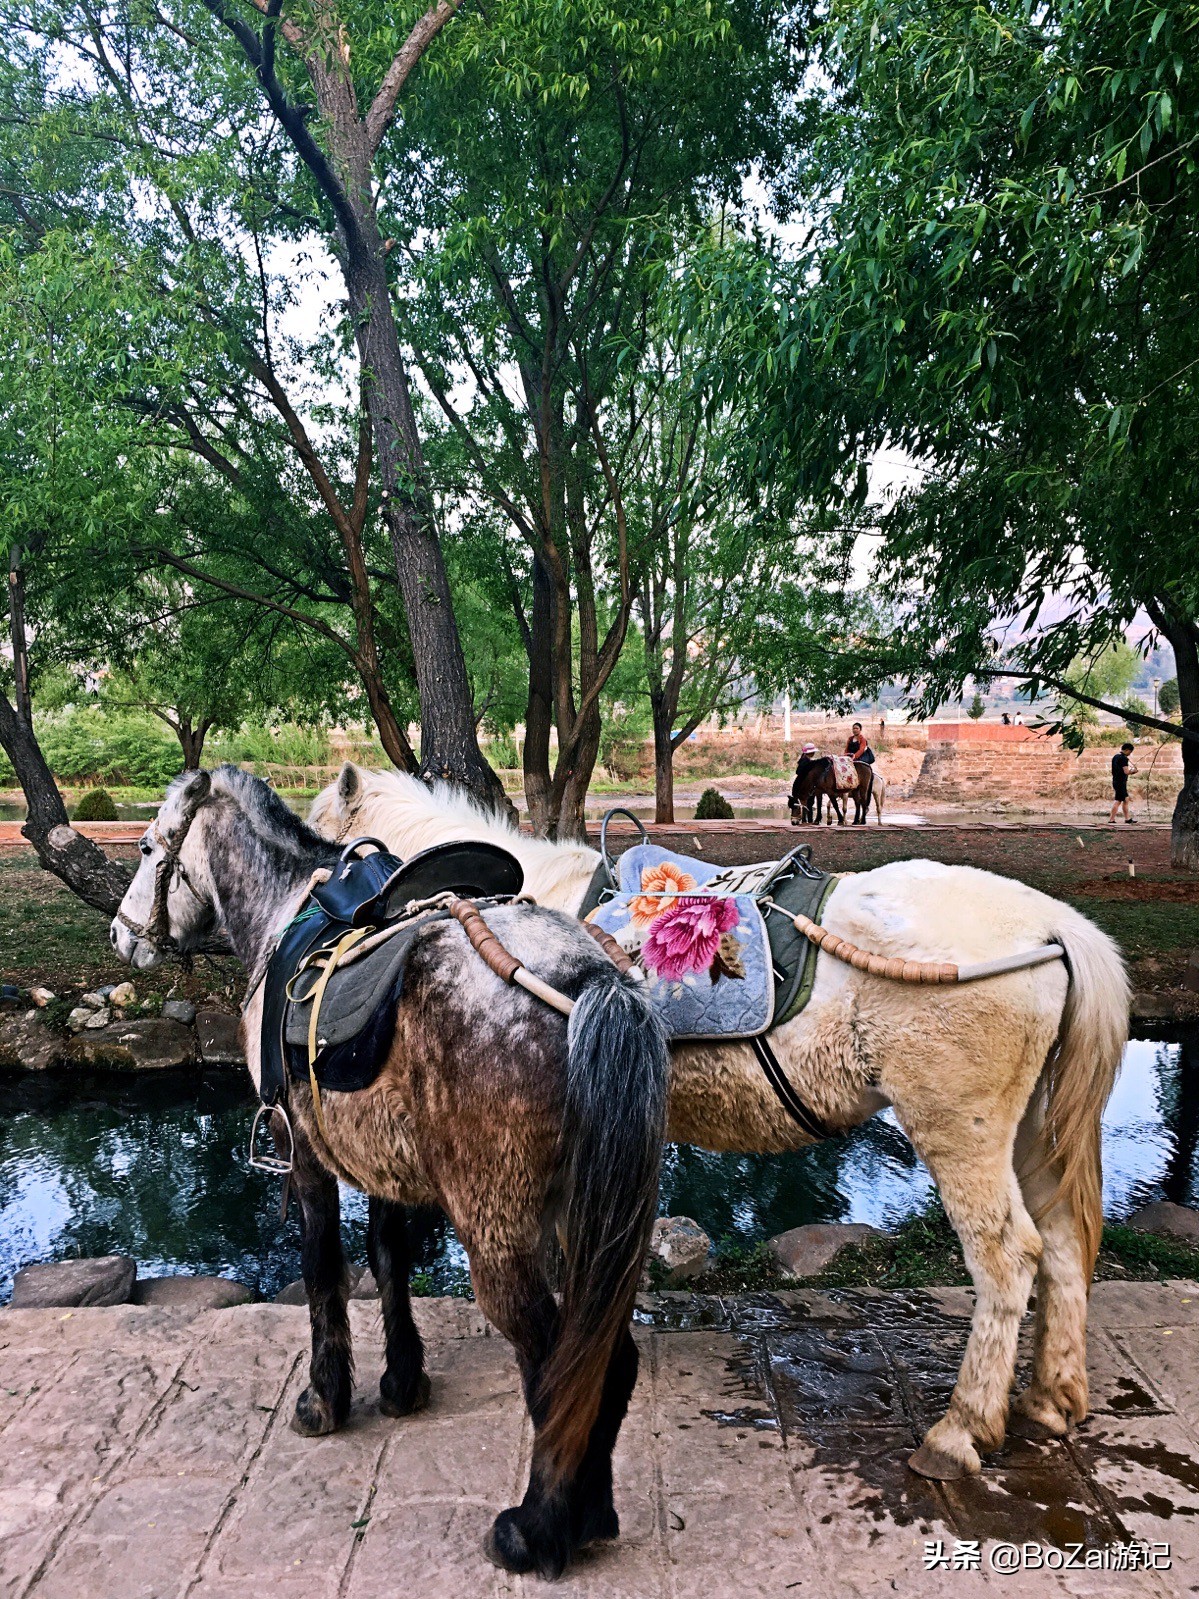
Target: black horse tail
613, 1128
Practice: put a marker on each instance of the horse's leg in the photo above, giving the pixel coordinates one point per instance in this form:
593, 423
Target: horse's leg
595, 1512
405, 1386
982, 1199
861, 802
512, 1292
325, 1403
1057, 1394
556, 1517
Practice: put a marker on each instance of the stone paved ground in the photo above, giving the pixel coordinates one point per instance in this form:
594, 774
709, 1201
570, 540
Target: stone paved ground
145, 1454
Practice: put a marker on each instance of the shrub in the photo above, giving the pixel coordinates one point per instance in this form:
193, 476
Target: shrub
87, 744
977, 708
1167, 697
1137, 706
503, 753
96, 806
713, 807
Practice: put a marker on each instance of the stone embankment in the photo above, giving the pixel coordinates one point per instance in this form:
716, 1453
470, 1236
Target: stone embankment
680, 1255
108, 1030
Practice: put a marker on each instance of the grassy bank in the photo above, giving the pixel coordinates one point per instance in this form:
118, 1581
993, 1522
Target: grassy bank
924, 1253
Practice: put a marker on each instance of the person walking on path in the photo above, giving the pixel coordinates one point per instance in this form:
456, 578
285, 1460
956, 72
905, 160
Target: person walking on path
856, 746
1122, 770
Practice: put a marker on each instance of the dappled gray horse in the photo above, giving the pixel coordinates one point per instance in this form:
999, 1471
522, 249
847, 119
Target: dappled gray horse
489, 1104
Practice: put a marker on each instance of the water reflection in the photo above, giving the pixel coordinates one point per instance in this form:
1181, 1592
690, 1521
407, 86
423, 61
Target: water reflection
155, 1168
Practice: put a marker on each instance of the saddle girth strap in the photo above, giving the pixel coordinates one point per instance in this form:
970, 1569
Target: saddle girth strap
344, 943
799, 1113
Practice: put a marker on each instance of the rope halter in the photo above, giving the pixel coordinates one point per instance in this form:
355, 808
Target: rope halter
170, 869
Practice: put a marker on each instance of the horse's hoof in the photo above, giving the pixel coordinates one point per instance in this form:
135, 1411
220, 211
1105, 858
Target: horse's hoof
395, 1407
1031, 1429
312, 1418
601, 1525
1037, 1418
507, 1547
929, 1461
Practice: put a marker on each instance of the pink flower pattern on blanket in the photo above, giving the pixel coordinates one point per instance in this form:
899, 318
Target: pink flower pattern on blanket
686, 937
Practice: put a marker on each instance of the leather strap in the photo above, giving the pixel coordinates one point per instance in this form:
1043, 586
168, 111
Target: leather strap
482, 940
345, 942
620, 958
787, 1097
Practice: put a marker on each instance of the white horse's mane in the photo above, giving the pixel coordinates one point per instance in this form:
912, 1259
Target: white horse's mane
409, 815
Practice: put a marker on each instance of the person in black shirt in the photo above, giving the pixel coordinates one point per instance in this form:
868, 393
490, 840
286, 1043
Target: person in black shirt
1122, 770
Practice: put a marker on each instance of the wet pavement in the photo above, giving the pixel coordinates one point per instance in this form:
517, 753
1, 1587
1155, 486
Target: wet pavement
146, 1453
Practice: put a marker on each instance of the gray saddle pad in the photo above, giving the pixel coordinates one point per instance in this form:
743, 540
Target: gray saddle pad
354, 991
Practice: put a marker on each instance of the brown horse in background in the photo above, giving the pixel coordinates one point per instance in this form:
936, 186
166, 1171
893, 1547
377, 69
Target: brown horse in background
816, 780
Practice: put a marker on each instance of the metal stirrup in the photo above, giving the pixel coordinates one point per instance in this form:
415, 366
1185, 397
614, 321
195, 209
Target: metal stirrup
276, 1165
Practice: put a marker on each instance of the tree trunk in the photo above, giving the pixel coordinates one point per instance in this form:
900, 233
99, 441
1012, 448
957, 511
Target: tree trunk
16, 628
572, 779
191, 741
663, 759
82, 865
449, 741
391, 735
1184, 827
539, 707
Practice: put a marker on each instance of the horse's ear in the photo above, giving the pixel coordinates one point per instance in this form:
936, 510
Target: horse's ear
197, 788
349, 782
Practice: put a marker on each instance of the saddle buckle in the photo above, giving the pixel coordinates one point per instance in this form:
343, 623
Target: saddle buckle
275, 1164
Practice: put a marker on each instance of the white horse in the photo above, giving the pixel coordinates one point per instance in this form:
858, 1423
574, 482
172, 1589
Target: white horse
999, 1084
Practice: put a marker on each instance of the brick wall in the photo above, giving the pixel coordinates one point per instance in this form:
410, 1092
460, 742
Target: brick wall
1034, 769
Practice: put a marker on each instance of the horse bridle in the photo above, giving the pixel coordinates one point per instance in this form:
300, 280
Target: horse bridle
157, 930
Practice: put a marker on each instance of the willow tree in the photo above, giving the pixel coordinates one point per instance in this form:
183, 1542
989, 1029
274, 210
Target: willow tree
1003, 283
243, 140
560, 154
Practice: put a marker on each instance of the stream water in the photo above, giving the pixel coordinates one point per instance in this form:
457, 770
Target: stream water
154, 1167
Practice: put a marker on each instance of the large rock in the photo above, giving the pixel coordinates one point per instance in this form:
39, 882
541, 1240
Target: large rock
151, 1044
1170, 1221
191, 1293
803, 1251
104, 1280
219, 1039
682, 1247
28, 1041
179, 1010
296, 1294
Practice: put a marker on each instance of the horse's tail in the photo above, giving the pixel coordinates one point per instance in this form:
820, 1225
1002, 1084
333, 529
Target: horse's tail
1081, 1072
613, 1128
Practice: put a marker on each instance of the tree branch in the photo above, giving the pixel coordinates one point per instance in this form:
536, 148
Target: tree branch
378, 118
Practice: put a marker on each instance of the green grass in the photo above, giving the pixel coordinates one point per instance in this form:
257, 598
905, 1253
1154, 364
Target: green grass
49, 936
924, 1253
1144, 927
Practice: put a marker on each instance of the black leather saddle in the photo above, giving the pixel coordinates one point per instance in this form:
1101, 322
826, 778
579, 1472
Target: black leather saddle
367, 890
364, 891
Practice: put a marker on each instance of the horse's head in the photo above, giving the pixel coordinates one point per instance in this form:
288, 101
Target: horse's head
334, 809
168, 907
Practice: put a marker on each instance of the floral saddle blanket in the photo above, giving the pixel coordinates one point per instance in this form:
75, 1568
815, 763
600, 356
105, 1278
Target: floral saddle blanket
845, 773
719, 961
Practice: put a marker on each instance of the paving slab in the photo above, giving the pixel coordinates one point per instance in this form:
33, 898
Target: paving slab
146, 1452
